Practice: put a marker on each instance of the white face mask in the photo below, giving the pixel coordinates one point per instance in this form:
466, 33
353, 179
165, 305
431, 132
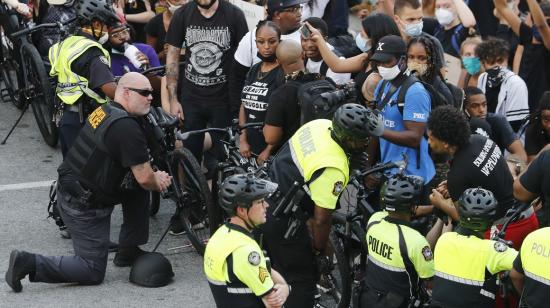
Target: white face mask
444, 17
172, 8
389, 73
104, 38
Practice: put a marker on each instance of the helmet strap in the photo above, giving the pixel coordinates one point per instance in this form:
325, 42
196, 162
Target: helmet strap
249, 225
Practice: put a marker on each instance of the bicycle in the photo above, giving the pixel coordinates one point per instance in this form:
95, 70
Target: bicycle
8, 65
234, 163
33, 86
342, 286
189, 189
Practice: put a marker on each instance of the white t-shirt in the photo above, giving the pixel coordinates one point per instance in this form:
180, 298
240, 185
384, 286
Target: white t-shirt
338, 78
247, 50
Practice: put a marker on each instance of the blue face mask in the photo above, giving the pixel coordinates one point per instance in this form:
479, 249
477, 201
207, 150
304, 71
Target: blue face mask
415, 29
471, 64
363, 44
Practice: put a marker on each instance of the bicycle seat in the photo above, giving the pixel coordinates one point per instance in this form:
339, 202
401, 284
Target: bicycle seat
164, 119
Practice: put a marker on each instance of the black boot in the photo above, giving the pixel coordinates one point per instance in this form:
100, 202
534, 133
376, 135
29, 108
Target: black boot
127, 255
21, 264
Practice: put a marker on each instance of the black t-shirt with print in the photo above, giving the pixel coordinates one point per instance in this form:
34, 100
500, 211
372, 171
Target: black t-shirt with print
155, 28
480, 163
210, 46
257, 89
534, 67
537, 180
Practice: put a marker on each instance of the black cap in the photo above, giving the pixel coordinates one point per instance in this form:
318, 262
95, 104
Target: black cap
279, 5
390, 46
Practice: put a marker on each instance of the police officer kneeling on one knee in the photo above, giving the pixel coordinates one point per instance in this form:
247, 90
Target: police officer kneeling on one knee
107, 165
313, 163
237, 270
466, 265
400, 261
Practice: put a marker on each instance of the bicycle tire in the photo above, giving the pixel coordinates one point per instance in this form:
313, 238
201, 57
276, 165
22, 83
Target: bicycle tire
154, 203
9, 73
339, 293
42, 99
199, 198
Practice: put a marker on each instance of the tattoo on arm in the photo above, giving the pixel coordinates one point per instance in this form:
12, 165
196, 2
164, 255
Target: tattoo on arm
172, 71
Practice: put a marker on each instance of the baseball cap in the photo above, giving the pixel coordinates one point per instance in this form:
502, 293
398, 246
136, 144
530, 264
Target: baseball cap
279, 5
390, 46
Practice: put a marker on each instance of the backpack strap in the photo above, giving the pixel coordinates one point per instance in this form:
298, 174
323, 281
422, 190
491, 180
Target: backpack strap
404, 88
324, 69
454, 38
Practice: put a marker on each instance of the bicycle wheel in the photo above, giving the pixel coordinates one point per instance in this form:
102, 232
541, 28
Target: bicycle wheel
40, 94
154, 203
10, 92
197, 198
335, 287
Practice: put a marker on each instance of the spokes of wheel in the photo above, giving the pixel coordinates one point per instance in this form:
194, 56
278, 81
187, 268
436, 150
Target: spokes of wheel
10, 90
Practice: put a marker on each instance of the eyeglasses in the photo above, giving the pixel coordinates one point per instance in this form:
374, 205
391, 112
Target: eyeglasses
142, 92
293, 9
120, 33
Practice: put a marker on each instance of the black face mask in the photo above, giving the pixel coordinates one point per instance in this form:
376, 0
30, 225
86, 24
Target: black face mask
495, 76
269, 59
206, 7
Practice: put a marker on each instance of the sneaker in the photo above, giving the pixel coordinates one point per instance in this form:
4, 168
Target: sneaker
177, 227
113, 247
20, 265
126, 256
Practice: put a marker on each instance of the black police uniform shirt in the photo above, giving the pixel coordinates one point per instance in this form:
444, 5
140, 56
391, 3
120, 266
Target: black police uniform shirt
283, 110
534, 67
535, 139
537, 180
480, 163
126, 143
210, 44
257, 89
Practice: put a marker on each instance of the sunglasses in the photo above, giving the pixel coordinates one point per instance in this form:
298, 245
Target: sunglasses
142, 92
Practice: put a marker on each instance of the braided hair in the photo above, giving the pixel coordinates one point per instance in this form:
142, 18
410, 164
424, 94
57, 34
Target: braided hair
434, 69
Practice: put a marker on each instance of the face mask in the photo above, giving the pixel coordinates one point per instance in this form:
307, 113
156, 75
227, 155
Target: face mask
269, 59
419, 68
160, 9
172, 8
471, 64
104, 38
444, 17
414, 29
207, 6
495, 76
363, 44
389, 73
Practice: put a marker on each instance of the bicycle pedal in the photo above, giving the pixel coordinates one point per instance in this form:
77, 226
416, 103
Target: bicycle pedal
5, 95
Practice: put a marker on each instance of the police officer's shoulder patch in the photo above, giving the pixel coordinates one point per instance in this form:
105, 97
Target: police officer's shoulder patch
427, 253
338, 188
500, 247
104, 60
254, 258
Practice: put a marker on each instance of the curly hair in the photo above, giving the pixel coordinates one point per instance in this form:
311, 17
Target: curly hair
493, 50
449, 125
434, 67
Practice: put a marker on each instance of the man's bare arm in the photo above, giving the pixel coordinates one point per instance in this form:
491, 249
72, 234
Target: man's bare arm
172, 74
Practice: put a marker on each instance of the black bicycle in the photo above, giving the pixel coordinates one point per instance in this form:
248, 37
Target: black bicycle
32, 85
189, 189
340, 288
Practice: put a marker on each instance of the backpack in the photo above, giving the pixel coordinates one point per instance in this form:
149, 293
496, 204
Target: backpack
312, 104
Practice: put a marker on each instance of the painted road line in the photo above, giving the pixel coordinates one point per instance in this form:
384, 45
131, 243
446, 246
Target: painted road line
26, 185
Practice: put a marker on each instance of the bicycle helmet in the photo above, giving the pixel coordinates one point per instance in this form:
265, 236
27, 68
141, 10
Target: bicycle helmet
354, 123
400, 192
90, 10
241, 190
151, 270
477, 208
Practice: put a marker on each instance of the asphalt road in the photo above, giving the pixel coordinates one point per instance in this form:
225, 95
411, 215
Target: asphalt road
26, 160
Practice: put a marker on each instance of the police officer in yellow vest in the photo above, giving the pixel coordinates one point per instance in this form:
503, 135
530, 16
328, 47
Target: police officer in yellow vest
400, 261
82, 67
316, 158
237, 270
466, 265
531, 272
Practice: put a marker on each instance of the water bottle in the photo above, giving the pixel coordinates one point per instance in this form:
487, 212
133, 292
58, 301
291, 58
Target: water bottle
131, 52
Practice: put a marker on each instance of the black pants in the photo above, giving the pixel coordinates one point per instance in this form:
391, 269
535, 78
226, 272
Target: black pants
198, 116
293, 258
90, 230
69, 127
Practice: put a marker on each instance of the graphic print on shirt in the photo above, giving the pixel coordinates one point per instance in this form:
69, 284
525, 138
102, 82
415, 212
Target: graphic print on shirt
206, 47
255, 97
491, 153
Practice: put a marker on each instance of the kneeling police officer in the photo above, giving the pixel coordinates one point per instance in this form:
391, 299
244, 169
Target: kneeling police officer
237, 270
400, 260
108, 164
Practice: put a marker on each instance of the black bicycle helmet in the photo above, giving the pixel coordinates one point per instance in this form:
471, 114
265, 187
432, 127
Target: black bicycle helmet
90, 10
151, 270
477, 208
241, 190
354, 122
400, 192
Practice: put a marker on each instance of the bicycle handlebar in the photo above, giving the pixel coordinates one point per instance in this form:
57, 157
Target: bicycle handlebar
227, 130
31, 29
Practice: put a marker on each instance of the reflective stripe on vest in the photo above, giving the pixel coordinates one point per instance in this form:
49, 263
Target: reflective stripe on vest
312, 148
70, 86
